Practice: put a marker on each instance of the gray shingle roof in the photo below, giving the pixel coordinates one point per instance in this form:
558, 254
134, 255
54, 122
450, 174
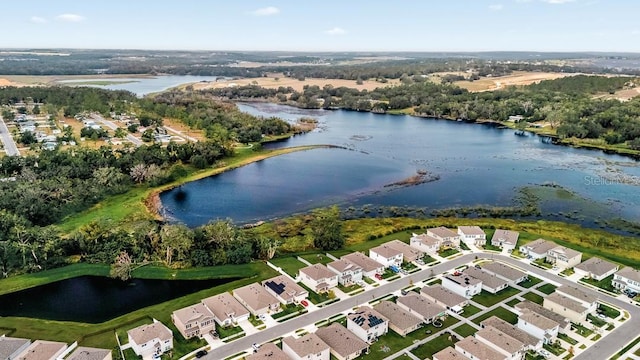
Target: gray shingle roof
505, 236
269, 351
306, 345
596, 266
341, 340
87, 353
443, 295
145, 333
9, 345
397, 316
503, 270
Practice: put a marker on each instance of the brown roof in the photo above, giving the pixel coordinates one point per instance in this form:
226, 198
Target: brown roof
342, 265
565, 302
529, 305
409, 253
9, 345
500, 339
629, 273
385, 251
145, 333
366, 263
290, 287
577, 293
442, 232
471, 230
478, 349
505, 236
306, 345
268, 351
487, 279
317, 272
449, 353
42, 350
197, 312
596, 266
443, 295
511, 330
421, 305
341, 340
366, 317
541, 246
225, 306
397, 316
567, 252
503, 270
537, 320
427, 240
255, 296
87, 353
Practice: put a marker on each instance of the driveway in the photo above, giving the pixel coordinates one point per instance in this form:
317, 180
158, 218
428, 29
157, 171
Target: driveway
9, 145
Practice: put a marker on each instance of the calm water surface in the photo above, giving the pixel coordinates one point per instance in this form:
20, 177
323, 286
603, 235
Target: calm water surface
477, 165
143, 86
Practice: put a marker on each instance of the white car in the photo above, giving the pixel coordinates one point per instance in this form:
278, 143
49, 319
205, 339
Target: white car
602, 316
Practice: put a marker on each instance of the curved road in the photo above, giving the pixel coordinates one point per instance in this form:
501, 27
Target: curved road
9, 145
602, 349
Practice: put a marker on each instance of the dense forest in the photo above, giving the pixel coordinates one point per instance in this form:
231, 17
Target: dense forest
39, 190
566, 104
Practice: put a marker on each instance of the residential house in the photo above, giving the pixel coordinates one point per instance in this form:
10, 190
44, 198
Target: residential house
444, 297
150, 339
595, 268
194, 320
400, 320
505, 239
537, 249
369, 266
587, 300
490, 282
348, 272
268, 351
462, 285
285, 289
386, 255
307, 347
318, 278
509, 346
409, 254
627, 278
11, 347
563, 257
421, 307
512, 275
475, 349
42, 350
515, 118
539, 309
530, 342
472, 235
226, 309
367, 324
425, 243
447, 237
344, 344
257, 299
87, 353
538, 325
449, 353
567, 307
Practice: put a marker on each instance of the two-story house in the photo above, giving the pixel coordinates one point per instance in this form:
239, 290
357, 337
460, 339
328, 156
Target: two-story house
194, 320
421, 307
344, 344
627, 278
472, 235
226, 309
448, 238
563, 257
150, 339
369, 266
367, 324
409, 253
462, 285
257, 299
425, 243
318, 278
348, 272
386, 255
505, 239
537, 249
512, 275
508, 346
285, 289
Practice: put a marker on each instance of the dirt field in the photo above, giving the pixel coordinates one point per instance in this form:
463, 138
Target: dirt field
272, 83
28, 80
184, 129
622, 95
517, 78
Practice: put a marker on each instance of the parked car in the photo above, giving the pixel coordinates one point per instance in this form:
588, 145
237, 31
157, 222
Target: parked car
201, 353
403, 292
304, 303
602, 316
378, 276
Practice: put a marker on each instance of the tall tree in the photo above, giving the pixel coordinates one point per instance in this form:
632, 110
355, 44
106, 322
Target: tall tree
176, 241
327, 229
121, 267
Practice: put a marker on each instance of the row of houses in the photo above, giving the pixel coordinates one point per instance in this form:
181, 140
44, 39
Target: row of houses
560, 256
491, 277
23, 349
439, 238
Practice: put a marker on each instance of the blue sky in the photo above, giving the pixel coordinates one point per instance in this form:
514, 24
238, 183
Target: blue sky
326, 25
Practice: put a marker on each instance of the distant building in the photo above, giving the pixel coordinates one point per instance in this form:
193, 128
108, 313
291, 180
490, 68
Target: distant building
472, 235
627, 278
344, 344
515, 118
307, 347
285, 289
505, 239
318, 278
150, 339
595, 268
367, 324
348, 272
400, 320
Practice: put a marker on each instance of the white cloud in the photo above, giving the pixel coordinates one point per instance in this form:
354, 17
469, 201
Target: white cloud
558, 1
70, 18
268, 11
336, 31
496, 7
38, 20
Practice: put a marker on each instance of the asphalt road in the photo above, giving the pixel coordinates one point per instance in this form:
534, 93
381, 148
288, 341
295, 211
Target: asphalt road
112, 126
603, 349
9, 145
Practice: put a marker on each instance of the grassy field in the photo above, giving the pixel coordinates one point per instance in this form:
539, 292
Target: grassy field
547, 288
465, 330
500, 312
289, 264
434, 346
487, 299
531, 281
604, 284
470, 310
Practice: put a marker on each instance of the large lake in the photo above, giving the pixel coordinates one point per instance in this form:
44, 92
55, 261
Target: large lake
477, 165
141, 85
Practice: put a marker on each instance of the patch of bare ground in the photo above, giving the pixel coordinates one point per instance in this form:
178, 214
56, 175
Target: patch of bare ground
274, 82
518, 78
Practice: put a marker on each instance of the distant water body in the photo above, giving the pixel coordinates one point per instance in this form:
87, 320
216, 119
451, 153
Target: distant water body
142, 86
477, 166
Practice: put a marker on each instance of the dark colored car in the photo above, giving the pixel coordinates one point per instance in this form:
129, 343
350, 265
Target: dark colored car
201, 353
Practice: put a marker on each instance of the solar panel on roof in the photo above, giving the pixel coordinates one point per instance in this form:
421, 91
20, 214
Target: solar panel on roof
277, 288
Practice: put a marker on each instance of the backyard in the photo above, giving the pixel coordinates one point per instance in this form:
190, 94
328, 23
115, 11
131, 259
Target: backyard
500, 312
487, 299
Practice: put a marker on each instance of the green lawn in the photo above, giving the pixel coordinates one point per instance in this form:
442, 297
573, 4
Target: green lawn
568, 272
490, 247
426, 350
581, 330
465, 330
567, 338
464, 246
434, 282
608, 311
513, 302
533, 356
317, 258
541, 262
428, 259
289, 264
470, 310
596, 320
604, 284
316, 298
533, 297
531, 281
554, 349
287, 310
547, 288
226, 331
500, 312
487, 299
348, 289
255, 321
448, 252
